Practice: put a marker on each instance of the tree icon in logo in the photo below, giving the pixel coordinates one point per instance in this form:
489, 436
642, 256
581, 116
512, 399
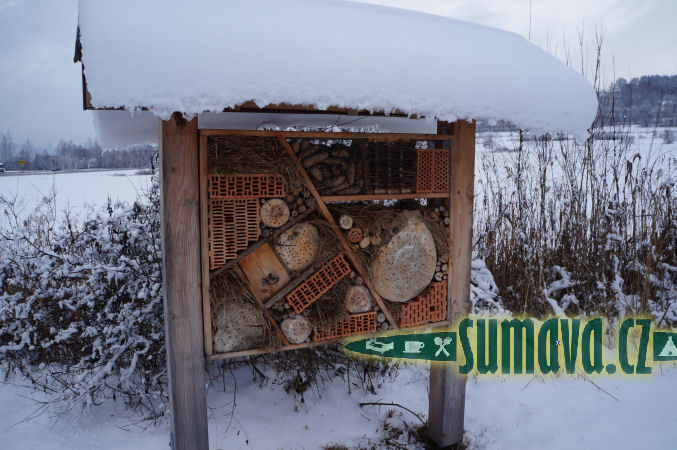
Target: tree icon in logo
664, 348
669, 349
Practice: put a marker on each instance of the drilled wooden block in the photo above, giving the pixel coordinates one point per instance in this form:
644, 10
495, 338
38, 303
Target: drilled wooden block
265, 272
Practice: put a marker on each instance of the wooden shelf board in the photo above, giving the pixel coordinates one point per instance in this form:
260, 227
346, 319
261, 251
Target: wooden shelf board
369, 197
284, 348
328, 135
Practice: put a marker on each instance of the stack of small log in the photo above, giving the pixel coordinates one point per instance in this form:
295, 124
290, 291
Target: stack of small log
358, 237
335, 169
297, 203
441, 214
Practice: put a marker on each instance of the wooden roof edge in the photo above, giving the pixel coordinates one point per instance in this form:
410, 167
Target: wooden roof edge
251, 107
77, 57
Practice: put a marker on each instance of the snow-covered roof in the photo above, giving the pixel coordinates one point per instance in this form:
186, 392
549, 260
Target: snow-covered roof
207, 55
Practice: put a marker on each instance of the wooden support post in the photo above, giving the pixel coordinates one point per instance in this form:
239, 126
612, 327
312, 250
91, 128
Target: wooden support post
447, 387
182, 281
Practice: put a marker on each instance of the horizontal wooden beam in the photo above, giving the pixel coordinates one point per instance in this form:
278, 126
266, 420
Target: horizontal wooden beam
261, 351
372, 197
330, 135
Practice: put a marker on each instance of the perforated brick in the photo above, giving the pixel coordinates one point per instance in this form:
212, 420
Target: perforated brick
432, 171
245, 186
318, 283
355, 324
427, 308
233, 224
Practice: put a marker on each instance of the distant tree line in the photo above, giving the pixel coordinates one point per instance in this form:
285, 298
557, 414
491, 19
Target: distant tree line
70, 156
647, 101
650, 100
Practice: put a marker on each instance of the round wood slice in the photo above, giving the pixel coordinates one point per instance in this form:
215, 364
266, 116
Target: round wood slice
404, 267
274, 213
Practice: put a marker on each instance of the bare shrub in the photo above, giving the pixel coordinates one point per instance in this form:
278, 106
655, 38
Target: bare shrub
581, 228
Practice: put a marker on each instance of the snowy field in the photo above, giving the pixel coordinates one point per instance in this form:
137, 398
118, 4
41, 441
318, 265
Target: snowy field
649, 143
501, 413
75, 191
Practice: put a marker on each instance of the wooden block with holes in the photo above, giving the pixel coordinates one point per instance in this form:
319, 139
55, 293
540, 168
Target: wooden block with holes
265, 272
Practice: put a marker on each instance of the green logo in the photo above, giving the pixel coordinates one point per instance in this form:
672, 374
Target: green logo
522, 345
664, 346
439, 346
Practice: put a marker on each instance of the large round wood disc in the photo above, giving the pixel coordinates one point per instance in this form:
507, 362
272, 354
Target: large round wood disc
404, 267
239, 326
274, 213
296, 330
298, 246
358, 299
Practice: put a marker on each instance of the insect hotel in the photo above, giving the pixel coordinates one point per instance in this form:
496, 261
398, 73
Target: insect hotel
310, 206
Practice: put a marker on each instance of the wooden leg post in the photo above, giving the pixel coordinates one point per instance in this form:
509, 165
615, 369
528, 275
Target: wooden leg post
181, 278
447, 388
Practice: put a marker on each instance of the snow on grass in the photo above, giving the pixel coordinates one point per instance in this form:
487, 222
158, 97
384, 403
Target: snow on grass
501, 413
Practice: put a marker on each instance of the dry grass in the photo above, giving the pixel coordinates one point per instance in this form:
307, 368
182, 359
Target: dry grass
228, 287
605, 228
329, 242
440, 234
330, 308
247, 154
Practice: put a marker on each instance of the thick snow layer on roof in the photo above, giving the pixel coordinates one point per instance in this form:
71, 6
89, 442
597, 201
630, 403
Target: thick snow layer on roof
207, 55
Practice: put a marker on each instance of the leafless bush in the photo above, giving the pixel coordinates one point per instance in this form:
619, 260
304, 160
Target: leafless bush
581, 228
81, 305
589, 227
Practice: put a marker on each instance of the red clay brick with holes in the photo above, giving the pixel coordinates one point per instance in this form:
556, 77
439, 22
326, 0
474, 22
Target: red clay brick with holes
356, 324
318, 283
427, 308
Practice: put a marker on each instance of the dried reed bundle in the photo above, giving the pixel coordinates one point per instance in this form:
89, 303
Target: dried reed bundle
251, 154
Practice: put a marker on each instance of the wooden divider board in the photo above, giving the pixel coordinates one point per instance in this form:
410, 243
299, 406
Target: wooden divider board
322, 210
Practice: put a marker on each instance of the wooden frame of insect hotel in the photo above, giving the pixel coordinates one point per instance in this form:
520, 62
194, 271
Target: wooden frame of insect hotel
311, 237
300, 233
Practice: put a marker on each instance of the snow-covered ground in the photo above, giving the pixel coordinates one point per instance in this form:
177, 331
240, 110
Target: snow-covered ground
501, 413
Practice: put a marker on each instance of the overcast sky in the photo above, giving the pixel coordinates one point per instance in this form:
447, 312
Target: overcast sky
40, 87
